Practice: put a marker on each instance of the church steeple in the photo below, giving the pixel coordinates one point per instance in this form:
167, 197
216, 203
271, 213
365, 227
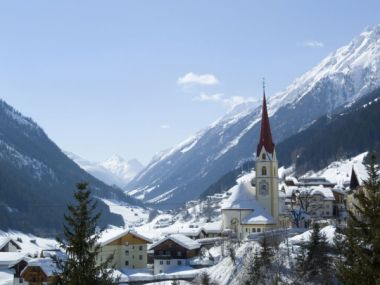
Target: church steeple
265, 133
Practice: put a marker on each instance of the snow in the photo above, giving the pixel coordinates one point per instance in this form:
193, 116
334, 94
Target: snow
30, 244
6, 277
180, 239
113, 171
328, 231
340, 171
132, 215
10, 258
46, 264
241, 198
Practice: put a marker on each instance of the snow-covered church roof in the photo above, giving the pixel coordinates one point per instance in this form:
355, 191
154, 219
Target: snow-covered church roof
243, 199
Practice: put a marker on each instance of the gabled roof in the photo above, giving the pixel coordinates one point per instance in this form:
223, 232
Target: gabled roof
354, 181
179, 239
258, 217
112, 234
46, 264
11, 258
265, 133
4, 240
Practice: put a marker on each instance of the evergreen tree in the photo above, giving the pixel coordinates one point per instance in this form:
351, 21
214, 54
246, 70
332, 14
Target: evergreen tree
253, 270
266, 252
80, 244
313, 262
359, 244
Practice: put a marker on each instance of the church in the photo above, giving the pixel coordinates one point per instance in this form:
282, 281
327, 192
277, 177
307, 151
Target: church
254, 203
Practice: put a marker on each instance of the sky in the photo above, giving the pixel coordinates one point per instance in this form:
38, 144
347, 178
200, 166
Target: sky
138, 77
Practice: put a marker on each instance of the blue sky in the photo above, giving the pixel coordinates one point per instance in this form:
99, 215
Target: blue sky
137, 77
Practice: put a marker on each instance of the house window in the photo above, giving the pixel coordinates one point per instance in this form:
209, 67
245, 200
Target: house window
127, 252
161, 262
167, 262
264, 156
258, 230
140, 257
253, 230
140, 247
179, 262
126, 263
179, 253
160, 271
264, 171
246, 230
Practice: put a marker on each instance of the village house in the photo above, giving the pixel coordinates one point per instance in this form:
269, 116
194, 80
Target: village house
38, 271
128, 248
8, 245
173, 251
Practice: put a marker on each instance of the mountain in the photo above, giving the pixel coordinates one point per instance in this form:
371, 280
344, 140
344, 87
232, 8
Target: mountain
37, 179
113, 171
351, 131
187, 170
327, 142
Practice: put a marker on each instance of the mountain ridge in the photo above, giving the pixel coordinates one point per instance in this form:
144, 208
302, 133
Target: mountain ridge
185, 171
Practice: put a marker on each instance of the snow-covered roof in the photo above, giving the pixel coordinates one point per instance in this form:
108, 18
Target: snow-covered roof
325, 192
181, 240
46, 264
258, 216
214, 227
241, 198
11, 258
111, 234
5, 239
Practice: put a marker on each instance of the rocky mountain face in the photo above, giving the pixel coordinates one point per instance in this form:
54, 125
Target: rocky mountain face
115, 171
185, 171
37, 179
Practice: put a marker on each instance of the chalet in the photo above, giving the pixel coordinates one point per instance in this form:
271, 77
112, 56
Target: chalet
8, 259
8, 245
173, 251
128, 248
38, 271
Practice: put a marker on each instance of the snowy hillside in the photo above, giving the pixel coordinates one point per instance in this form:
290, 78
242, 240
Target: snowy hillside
113, 171
36, 174
340, 171
186, 170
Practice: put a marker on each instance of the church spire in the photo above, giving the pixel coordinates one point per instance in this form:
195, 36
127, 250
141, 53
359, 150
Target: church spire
265, 133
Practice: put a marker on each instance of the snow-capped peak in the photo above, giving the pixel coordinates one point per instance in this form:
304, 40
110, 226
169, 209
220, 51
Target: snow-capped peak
113, 171
356, 65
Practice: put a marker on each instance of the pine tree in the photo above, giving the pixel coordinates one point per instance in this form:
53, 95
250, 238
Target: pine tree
80, 244
359, 244
313, 262
266, 252
253, 270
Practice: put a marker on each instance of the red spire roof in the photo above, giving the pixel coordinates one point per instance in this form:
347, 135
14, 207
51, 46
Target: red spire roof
265, 134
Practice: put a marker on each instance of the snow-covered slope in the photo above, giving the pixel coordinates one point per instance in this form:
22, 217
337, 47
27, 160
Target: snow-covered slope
113, 171
340, 171
186, 170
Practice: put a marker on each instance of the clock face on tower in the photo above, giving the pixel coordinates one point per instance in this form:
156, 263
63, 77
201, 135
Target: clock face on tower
263, 188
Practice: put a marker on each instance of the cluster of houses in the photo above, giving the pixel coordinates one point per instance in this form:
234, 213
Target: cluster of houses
131, 252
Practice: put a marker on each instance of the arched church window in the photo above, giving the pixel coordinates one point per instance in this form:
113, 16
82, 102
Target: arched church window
264, 171
263, 156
